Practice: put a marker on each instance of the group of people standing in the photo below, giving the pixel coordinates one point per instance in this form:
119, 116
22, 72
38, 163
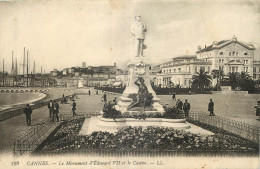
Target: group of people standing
183, 106
53, 107
186, 106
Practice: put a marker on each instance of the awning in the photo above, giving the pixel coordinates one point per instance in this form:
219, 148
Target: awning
117, 83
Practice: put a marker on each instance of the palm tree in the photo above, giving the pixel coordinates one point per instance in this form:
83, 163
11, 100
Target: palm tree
233, 79
246, 83
201, 80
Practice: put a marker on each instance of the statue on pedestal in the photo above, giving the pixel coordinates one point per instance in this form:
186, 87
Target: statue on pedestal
138, 29
143, 98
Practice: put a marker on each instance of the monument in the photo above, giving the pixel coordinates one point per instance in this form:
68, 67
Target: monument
139, 95
138, 105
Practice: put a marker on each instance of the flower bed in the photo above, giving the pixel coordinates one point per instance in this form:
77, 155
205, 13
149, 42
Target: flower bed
145, 139
169, 113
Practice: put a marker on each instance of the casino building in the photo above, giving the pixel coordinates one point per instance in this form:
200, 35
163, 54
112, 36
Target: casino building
228, 55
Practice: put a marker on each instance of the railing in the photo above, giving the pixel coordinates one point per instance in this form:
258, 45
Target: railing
28, 141
103, 152
68, 116
246, 131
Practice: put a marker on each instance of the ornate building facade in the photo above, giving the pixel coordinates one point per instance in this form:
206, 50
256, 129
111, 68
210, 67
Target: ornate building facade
226, 55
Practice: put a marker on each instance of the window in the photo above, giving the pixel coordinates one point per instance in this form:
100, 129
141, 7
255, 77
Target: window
189, 69
254, 69
229, 53
245, 53
221, 53
237, 53
174, 70
208, 68
245, 69
233, 54
170, 70
254, 76
179, 69
185, 82
196, 69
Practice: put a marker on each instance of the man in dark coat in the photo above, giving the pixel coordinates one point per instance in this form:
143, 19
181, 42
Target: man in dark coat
55, 111
173, 96
74, 108
50, 107
28, 112
186, 108
89, 92
105, 97
179, 104
211, 108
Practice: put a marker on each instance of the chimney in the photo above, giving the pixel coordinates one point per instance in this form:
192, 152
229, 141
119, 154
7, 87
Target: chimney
199, 47
205, 46
115, 64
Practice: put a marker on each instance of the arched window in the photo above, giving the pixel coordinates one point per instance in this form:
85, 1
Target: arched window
237, 53
233, 54
245, 53
229, 53
221, 53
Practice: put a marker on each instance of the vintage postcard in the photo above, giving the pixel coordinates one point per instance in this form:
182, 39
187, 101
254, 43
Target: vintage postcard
129, 84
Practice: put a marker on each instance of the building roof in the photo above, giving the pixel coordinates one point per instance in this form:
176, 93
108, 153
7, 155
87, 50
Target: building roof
223, 43
186, 57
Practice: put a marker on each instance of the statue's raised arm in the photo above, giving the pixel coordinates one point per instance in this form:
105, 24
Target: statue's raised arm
138, 29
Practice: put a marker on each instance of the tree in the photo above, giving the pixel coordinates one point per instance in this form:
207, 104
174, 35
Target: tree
233, 79
246, 83
201, 80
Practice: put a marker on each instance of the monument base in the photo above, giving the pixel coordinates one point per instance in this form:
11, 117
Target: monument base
110, 125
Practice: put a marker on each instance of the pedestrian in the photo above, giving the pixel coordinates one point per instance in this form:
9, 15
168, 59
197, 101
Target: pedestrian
257, 107
74, 108
189, 92
55, 111
179, 104
89, 92
186, 108
50, 107
28, 112
97, 92
173, 96
211, 108
105, 97
115, 101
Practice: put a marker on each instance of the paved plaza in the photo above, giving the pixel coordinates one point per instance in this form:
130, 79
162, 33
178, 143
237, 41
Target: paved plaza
234, 106
12, 128
238, 107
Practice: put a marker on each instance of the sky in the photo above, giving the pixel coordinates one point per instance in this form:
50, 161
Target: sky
60, 34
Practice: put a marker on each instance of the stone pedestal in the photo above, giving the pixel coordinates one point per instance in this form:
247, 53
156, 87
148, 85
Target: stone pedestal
138, 66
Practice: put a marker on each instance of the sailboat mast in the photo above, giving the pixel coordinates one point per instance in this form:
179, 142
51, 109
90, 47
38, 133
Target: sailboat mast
12, 71
27, 67
23, 64
3, 72
16, 71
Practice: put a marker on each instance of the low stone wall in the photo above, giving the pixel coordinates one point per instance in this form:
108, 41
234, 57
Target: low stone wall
16, 112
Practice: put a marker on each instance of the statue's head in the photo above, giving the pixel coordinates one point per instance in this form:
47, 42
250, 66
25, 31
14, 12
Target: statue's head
138, 17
